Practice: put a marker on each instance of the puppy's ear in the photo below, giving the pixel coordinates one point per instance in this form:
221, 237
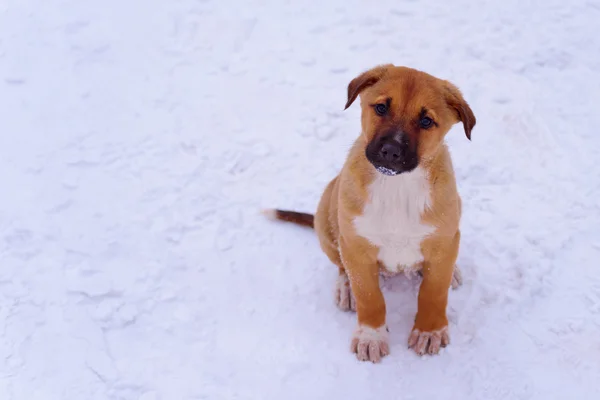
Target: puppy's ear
364, 80
455, 100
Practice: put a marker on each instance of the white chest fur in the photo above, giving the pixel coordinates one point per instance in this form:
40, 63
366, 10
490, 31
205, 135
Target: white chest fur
391, 218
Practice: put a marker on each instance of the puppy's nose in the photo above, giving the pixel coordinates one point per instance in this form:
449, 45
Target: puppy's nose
391, 151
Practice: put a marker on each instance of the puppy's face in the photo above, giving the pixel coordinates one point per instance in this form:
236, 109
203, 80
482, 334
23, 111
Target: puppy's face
405, 116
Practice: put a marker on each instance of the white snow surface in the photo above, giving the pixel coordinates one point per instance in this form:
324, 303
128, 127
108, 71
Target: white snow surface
140, 139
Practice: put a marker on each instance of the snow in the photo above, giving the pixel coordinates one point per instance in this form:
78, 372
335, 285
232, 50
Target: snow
139, 141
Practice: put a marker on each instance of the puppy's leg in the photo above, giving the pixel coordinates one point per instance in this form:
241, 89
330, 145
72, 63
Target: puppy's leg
430, 331
343, 297
457, 279
327, 230
370, 339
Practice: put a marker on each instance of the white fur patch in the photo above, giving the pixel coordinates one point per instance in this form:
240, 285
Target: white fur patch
391, 219
270, 213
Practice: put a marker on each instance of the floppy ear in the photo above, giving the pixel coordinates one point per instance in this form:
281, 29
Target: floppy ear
455, 100
364, 80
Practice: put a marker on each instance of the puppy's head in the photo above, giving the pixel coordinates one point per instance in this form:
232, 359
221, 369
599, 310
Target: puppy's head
406, 114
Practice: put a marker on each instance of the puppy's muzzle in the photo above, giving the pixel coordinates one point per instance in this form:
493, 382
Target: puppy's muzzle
392, 154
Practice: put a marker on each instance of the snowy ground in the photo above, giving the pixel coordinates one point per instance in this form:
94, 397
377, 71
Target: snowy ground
139, 139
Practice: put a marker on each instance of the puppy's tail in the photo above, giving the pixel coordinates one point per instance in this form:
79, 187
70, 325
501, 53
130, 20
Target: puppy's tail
298, 218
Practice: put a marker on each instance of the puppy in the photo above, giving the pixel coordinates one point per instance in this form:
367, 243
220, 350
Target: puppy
394, 207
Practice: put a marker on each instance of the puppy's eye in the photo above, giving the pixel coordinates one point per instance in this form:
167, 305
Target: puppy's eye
426, 122
381, 109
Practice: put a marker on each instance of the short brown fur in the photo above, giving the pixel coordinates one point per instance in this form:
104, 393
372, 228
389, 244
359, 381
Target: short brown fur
412, 93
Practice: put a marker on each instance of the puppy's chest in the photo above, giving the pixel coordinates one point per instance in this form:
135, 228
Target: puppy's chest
391, 219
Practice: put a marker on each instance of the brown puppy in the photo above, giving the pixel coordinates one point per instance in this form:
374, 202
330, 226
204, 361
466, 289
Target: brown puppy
394, 207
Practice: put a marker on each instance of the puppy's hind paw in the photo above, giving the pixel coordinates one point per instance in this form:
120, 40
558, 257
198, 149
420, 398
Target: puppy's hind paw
344, 298
457, 279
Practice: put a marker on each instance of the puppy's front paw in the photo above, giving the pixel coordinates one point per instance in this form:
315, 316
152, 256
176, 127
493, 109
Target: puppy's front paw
428, 342
344, 298
370, 344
